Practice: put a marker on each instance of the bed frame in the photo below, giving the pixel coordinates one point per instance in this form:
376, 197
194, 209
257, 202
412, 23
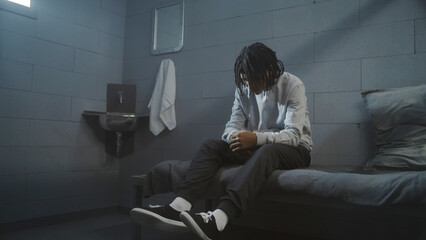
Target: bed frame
309, 216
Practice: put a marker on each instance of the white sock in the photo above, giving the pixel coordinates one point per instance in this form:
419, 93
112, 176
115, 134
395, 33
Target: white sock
180, 204
221, 219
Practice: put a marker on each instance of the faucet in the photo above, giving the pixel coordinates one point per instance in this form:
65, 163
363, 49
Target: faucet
120, 96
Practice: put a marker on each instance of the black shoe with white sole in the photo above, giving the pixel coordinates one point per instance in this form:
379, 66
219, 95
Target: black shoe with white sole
160, 217
202, 224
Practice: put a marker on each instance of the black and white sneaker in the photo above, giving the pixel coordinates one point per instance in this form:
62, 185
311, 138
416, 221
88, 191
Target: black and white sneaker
160, 217
202, 224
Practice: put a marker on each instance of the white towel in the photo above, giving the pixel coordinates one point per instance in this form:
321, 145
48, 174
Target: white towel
162, 103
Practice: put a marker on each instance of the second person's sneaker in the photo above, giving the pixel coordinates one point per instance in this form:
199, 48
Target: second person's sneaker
160, 217
202, 224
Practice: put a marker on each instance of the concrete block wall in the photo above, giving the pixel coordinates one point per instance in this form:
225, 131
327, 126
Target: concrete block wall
338, 48
55, 64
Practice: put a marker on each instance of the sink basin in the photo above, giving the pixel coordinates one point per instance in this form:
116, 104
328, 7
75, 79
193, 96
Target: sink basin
115, 121
118, 122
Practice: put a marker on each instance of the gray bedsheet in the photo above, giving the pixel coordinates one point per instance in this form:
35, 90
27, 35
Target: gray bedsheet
362, 189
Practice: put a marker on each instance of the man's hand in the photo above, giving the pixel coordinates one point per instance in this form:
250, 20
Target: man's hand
242, 140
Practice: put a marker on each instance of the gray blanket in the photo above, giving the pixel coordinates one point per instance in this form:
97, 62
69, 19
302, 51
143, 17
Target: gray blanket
362, 189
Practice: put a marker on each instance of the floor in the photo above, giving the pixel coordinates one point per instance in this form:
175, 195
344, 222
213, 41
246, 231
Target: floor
118, 226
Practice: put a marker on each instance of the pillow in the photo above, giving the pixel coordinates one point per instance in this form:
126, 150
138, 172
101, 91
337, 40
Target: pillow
399, 122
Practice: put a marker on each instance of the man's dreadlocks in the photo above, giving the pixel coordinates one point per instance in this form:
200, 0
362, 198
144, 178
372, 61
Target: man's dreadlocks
258, 67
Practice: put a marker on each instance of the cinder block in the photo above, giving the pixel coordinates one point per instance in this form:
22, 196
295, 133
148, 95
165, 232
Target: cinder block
367, 41
420, 26
136, 7
294, 49
86, 62
140, 46
111, 45
112, 23
62, 9
218, 85
247, 7
340, 107
115, 6
53, 55
20, 104
14, 132
382, 11
79, 105
207, 11
13, 161
220, 58
16, 47
91, 159
336, 139
15, 75
293, 21
47, 160
13, 212
329, 76
53, 206
63, 134
393, 71
95, 3
316, 18
106, 181
260, 27
54, 81
99, 200
278, 4
12, 188
17, 23
210, 34
331, 15
200, 111
139, 25
45, 186
189, 86
89, 15
110, 67
86, 38
145, 67
56, 29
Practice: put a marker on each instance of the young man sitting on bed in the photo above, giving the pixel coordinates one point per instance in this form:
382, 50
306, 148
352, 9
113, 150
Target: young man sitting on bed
268, 129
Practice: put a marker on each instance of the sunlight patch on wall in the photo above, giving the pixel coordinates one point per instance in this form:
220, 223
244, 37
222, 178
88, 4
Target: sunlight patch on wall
26, 3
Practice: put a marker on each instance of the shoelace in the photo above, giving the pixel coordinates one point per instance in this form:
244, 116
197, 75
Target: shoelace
206, 216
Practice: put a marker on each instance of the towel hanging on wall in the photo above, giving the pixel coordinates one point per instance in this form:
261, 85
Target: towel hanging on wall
162, 103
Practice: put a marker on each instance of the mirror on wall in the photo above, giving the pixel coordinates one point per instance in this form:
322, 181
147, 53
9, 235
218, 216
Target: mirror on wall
167, 28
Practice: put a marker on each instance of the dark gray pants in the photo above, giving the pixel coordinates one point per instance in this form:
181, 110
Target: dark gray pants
249, 179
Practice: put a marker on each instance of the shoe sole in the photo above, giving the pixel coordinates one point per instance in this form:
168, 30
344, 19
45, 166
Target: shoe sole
147, 218
191, 224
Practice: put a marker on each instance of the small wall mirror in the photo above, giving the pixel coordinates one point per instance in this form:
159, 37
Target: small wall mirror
167, 28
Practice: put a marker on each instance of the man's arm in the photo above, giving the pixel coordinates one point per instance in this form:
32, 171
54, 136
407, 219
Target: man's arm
294, 121
238, 120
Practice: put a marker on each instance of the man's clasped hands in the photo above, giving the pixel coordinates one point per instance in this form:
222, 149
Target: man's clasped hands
243, 141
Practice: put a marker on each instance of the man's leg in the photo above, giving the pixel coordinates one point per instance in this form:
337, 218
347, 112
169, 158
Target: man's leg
211, 156
253, 175
245, 186
204, 166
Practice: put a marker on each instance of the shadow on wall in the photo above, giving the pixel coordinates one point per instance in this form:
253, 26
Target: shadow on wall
372, 6
348, 147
